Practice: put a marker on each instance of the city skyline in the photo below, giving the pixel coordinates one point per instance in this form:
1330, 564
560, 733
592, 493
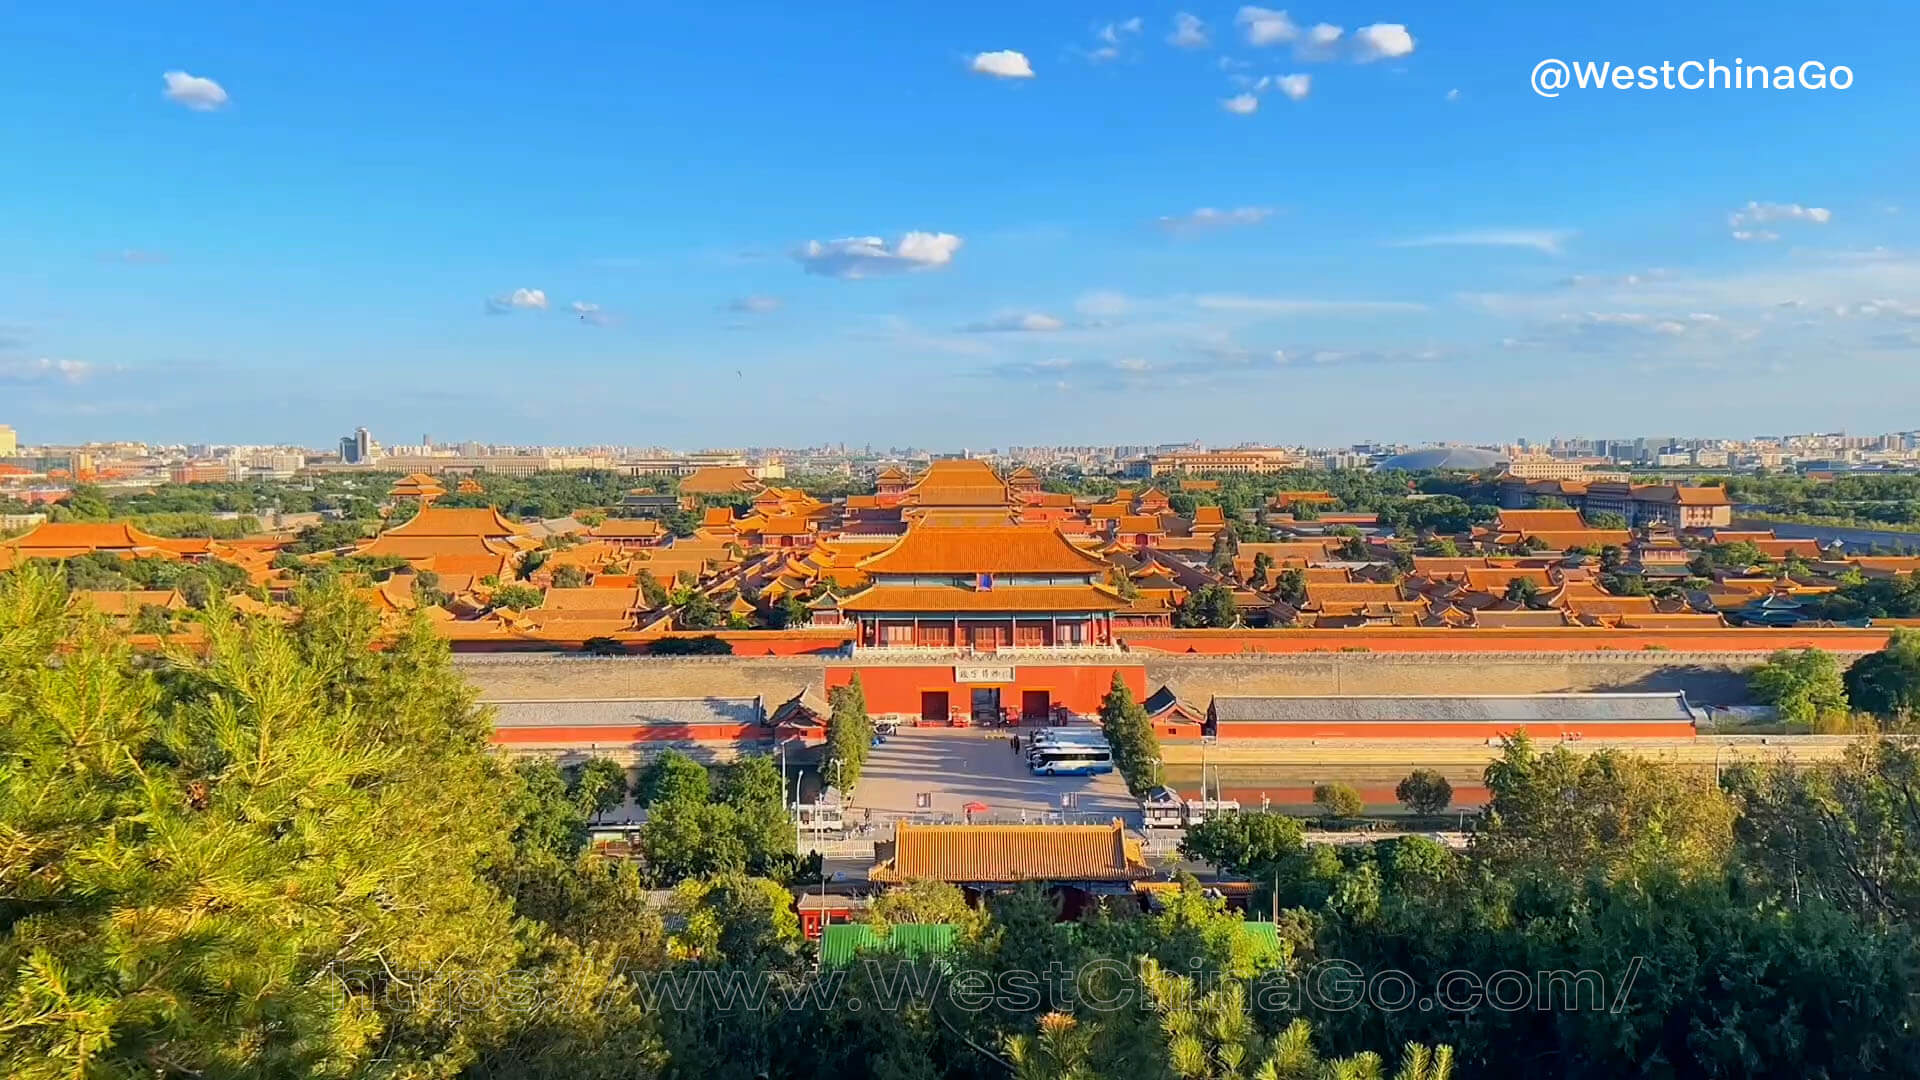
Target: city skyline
1079, 225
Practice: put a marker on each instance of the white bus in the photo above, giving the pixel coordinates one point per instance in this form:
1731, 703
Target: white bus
1091, 740
1070, 760
1058, 736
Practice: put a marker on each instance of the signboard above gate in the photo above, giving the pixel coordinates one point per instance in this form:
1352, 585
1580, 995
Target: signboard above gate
973, 673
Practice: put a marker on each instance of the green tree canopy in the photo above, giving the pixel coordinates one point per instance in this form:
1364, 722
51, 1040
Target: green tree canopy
1806, 686
1887, 683
1424, 791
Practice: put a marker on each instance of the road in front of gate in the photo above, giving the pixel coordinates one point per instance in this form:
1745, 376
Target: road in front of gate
957, 766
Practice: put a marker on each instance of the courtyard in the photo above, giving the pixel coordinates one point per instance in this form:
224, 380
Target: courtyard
953, 767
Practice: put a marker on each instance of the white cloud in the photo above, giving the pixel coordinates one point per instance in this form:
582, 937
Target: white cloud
1102, 304
867, 256
1545, 241
1741, 221
1014, 322
201, 95
1759, 211
1189, 32
1241, 104
1280, 305
519, 300
589, 313
1004, 64
1453, 95
1321, 41
1296, 87
1131, 363
1382, 41
1264, 26
1208, 218
1113, 36
754, 305
44, 370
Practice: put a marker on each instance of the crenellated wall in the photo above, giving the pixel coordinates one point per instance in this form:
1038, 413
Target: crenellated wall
1708, 678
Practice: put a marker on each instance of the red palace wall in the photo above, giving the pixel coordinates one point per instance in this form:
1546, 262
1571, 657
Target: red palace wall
1429, 640
1481, 732
895, 689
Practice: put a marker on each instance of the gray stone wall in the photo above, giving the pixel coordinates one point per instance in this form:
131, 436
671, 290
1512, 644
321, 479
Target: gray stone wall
1707, 678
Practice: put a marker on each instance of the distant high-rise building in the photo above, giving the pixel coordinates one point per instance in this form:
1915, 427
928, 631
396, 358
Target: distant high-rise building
9, 442
357, 448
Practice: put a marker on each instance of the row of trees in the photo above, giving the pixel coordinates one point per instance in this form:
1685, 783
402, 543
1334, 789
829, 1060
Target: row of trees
1812, 693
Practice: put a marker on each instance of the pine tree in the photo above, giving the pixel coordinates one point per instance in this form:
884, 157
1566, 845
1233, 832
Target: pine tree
849, 736
1129, 732
263, 860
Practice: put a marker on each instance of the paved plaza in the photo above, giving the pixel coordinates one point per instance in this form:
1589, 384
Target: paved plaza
956, 766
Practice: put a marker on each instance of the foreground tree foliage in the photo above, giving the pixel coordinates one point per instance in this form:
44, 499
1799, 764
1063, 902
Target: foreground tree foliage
244, 864
294, 855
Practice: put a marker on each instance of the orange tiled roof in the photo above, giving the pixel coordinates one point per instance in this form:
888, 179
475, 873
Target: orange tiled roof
590, 598
1520, 619
1009, 853
626, 529
969, 550
1495, 579
473, 564
1028, 598
1672, 621
1602, 538
1615, 605
456, 521
959, 482
1139, 523
1527, 521
86, 536
1208, 515
123, 602
1350, 593
1280, 551
1894, 564
428, 547
720, 480
1684, 496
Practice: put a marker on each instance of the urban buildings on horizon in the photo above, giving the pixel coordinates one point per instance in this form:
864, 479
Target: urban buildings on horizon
24, 463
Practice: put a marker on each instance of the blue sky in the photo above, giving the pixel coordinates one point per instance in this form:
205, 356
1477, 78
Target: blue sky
791, 224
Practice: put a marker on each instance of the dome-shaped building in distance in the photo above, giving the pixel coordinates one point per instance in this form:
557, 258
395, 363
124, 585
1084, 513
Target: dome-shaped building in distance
1463, 458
